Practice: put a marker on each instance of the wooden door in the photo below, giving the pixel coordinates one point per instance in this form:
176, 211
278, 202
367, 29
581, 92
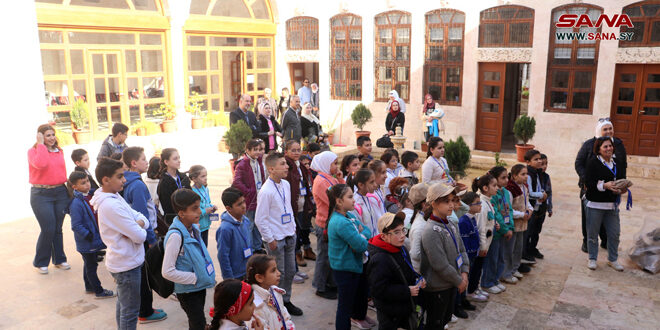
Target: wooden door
648, 113
297, 71
108, 105
490, 106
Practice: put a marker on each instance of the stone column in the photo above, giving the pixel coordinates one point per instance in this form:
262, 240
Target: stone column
179, 12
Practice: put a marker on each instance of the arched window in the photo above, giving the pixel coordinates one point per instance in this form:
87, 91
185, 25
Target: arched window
230, 8
392, 63
346, 57
443, 68
572, 63
645, 17
302, 33
506, 26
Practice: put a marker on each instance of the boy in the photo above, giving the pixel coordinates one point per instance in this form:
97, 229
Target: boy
275, 220
114, 143
124, 231
538, 216
233, 236
364, 148
138, 197
86, 233
249, 177
546, 183
410, 161
537, 197
81, 159
469, 229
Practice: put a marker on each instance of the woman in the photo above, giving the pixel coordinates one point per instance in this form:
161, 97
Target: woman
311, 126
315, 99
268, 96
603, 198
269, 128
394, 118
48, 198
394, 96
285, 100
432, 122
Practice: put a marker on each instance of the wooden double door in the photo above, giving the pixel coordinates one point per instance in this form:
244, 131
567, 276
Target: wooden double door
635, 110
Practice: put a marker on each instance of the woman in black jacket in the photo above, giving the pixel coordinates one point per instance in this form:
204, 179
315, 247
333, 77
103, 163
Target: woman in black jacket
394, 118
603, 198
393, 282
269, 128
311, 126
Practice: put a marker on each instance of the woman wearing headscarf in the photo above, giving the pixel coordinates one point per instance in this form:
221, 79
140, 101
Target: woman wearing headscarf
394, 118
394, 96
604, 128
269, 128
311, 125
315, 99
431, 115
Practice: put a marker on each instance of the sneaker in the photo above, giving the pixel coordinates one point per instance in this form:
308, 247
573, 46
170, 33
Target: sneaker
494, 289
64, 266
616, 265
105, 294
538, 255
460, 313
99, 258
477, 297
524, 268
293, 310
327, 294
467, 306
501, 286
371, 321
361, 324
174, 297
592, 264
454, 319
303, 275
158, 315
446, 326
298, 280
518, 275
42, 270
511, 280
528, 260
482, 292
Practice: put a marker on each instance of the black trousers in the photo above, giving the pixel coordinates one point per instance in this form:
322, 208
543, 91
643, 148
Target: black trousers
91, 279
193, 304
439, 306
392, 322
205, 237
534, 227
146, 296
602, 233
475, 273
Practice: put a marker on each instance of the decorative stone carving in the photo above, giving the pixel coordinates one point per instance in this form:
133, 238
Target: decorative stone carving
638, 55
504, 55
301, 56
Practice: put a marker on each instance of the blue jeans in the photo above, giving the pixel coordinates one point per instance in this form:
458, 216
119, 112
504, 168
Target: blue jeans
128, 298
256, 236
49, 207
352, 292
608, 219
91, 279
493, 265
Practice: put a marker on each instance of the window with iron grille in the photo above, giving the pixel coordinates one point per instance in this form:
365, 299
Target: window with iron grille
302, 33
346, 57
392, 54
443, 65
572, 64
645, 17
506, 26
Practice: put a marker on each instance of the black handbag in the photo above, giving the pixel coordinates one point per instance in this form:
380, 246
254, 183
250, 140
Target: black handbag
384, 142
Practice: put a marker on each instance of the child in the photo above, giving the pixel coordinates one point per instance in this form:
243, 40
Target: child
399, 167
349, 165
186, 261
151, 179
347, 244
233, 236
300, 180
444, 262
380, 174
393, 281
325, 164
459, 209
114, 143
199, 177
522, 211
398, 187
170, 180
410, 161
86, 233
364, 148
469, 229
233, 307
435, 166
487, 223
80, 157
124, 231
275, 219
417, 196
502, 205
364, 181
313, 149
546, 183
391, 163
249, 177
271, 310
537, 197
137, 196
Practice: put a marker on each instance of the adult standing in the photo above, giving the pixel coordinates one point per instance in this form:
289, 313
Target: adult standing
604, 128
290, 122
243, 114
432, 122
269, 128
268, 96
602, 202
394, 96
311, 125
285, 100
114, 143
315, 99
394, 118
49, 198
305, 92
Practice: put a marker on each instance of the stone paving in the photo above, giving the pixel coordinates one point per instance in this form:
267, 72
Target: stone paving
560, 292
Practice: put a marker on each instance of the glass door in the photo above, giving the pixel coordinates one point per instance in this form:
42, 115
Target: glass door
108, 105
233, 73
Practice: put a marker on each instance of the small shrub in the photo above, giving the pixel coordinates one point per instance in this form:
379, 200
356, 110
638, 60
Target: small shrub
64, 138
79, 114
151, 127
499, 161
457, 154
217, 118
166, 111
524, 128
361, 116
237, 137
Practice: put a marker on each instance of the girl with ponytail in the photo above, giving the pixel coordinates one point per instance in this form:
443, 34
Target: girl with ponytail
233, 307
170, 180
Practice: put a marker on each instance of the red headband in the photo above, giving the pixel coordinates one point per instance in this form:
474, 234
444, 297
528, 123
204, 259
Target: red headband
246, 290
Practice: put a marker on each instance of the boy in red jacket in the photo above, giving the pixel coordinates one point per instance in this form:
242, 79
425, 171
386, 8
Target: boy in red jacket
249, 176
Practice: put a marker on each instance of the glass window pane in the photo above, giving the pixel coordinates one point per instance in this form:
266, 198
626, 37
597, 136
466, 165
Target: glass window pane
454, 75
131, 62
455, 33
458, 18
263, 60
263, 42
355, 73
651, 111
402, 74
145, 5
134, 111
77, 61
97, 63
111, 63
560, 79
436, 34
628, 77
213, 59
52, 61
402, 52
435, 53
626, 94
133, 89
383, 91
101, 38
653, 77
231, 8
99, 90
385, 53
655, 31
196, 60
80, 89
624, 110
198, 7
339, 73
562, 56
558, 99
385, 35
154, 87
57, 92
263, 81
149, 110
260, 10
215, 104
50, 37
637, 32
113, 89
152, 60
491, 92
492, 76
196, 41
150, 39
215, 84
403, 35
563, 31
117, 4
435, 91
231, 41
198, 84
582, 79
652, 95
435, 75
493, 34
49, 1
490, 107
455, 54
581, 100
519, 33
249, 56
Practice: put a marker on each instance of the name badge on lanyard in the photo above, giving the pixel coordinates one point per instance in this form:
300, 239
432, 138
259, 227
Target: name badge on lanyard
459, 261
209, 267
258, 185
247, 253
214, 217
506, 220
303, 190
286, 216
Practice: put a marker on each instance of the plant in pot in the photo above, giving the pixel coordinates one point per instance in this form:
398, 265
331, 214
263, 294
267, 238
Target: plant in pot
236, 137
524, 129
80, 122
167, 112
144, 128
457, 154
194, 107
360, 117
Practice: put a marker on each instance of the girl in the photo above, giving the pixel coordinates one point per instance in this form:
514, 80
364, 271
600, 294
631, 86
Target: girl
186, 261
470, 234
522, 211
380, 175
170, 180
435, 168
487, 223
395, 118
263, 275
417, 197
269, 128
364, 181
49, 198
233, 307
300, 180
199, 176
502, 204
398, 187
349, 165
151, 179
391, 161
347, 244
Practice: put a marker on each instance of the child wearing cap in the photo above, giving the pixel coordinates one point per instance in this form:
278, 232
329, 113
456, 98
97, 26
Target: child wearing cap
444, 262
393, 282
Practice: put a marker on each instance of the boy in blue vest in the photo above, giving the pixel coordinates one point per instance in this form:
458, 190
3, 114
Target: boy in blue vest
233, 236
86, 233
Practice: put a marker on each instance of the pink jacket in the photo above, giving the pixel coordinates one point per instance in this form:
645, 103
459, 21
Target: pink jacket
244, 181
46, 167
322, 182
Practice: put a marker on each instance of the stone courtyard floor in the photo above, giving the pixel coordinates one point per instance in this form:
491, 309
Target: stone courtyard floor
560, 292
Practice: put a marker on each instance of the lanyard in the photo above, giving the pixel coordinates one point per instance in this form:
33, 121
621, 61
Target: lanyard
326, 179
613, 169
240, 233
451, 233
302, 185
177, 180
371, 213
282, 194
255, 169
406, 259
277, 307
444, 169
202, 193
382, 199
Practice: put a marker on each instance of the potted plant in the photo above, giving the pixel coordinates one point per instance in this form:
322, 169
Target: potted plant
194, 107
524, 129
236, 138
167, 112
360, 117
331, 135
457, 154
144, 128
80, 122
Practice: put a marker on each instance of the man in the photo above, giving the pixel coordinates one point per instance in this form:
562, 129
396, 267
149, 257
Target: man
305, 92
114, 143
242, 113
291, 129
315, 100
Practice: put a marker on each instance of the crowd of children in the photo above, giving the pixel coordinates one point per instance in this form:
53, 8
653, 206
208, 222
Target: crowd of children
419, 253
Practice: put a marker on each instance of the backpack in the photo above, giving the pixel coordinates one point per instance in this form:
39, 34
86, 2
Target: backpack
153, 262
